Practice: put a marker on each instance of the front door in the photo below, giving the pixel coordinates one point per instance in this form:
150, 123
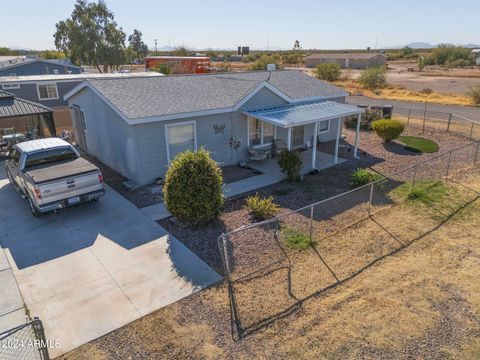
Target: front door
298, 136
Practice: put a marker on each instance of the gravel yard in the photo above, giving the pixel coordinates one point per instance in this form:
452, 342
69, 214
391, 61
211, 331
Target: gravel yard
385, 159
234, 173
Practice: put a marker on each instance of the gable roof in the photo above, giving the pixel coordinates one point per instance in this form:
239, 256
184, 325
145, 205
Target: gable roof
170, 97
352, 56
62, 62
11, 106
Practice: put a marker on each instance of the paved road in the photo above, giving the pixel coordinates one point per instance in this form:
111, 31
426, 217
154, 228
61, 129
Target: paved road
466, 111
89, 270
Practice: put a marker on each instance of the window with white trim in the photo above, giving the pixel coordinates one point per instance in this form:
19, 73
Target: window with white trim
47, 91
260, 132
324, 126
180, 137
10, 86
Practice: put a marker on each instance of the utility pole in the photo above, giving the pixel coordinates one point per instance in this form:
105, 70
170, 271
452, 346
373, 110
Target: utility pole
156, 51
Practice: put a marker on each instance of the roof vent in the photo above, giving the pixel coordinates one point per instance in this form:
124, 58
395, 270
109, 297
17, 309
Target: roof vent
271, 67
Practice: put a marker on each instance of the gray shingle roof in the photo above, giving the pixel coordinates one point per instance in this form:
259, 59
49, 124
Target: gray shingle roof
11, 106
167, 95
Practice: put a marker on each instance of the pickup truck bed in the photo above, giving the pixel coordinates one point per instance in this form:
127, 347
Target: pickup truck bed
52, 172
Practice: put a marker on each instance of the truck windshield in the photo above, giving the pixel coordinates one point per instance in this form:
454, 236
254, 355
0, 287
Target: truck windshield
50, 156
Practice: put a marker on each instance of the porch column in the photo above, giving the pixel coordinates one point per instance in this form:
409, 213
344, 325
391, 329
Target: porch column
314, 146
289, 138
337, 141
357, 137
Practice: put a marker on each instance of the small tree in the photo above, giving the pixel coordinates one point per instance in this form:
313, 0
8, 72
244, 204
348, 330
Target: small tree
193, 187
137, 45
388, 130
162, 68
328, 71
290, 163
421, 62
373, 78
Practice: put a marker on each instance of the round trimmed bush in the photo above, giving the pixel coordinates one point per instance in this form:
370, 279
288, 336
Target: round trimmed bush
388, 129
193, 187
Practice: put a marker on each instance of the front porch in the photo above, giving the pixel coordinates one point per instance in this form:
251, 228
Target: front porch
323, 160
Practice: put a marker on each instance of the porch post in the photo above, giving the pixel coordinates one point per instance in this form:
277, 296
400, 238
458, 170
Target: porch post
357, 137
337, 142
314, 146
289, 138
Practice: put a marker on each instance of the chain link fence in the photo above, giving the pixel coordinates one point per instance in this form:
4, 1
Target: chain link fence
272, 266
434, 121
25, 342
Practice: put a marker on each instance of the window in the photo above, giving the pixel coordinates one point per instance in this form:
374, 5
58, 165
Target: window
298, 136
180, 137
47, 91
14, 155
324, 126
50, 156
260, 132
10, 86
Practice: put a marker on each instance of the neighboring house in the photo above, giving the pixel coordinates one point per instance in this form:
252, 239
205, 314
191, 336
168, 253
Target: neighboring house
347, 60
22, 119
49, 90
26, 66
137, 126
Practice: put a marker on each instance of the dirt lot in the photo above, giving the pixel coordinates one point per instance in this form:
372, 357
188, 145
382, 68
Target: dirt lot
418, 297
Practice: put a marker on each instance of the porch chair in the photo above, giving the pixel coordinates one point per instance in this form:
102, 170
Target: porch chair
258, 154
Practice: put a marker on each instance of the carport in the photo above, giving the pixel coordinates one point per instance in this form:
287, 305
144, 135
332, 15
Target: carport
23, 120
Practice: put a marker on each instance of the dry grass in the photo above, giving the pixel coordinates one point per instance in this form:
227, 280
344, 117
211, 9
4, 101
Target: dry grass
421, 302
399, 93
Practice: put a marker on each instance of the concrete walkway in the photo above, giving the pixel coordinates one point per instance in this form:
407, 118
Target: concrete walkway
89, 270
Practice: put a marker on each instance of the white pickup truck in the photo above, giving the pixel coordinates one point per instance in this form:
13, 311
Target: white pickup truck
51, 174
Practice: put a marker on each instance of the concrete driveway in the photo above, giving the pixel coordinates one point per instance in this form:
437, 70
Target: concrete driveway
92, 269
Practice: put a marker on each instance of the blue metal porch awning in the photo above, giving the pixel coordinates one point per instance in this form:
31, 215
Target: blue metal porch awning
303, 113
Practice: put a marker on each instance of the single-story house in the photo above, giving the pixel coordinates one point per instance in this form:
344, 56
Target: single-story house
38, 67
137, 126
23, 119
49, 90
347, 60
476, 55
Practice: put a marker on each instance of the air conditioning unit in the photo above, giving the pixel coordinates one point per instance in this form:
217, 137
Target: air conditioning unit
271, 67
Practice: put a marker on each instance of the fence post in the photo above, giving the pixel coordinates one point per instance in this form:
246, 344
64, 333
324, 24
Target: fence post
449, 161
476, 153
471, 130
449, 122
311, 224
408, 119
424, 120
414, 177
370, 200
40, 335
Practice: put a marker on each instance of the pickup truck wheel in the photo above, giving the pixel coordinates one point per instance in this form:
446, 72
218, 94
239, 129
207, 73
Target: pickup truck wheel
34, 210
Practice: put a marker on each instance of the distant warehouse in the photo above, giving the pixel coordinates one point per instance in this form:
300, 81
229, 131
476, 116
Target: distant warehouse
347, 60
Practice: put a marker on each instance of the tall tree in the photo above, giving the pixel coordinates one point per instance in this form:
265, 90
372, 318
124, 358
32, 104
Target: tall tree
91, 36
137, 45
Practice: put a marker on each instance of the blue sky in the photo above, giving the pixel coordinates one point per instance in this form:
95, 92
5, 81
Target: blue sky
226, 24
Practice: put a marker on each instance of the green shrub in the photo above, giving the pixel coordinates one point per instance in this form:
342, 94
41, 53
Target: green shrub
388, 130
261, 208
295, 239
162, 68
474, 93
193, 187
263, 61
290, 163
373, 78
452, 56
363, 176
368, 117
328, 71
